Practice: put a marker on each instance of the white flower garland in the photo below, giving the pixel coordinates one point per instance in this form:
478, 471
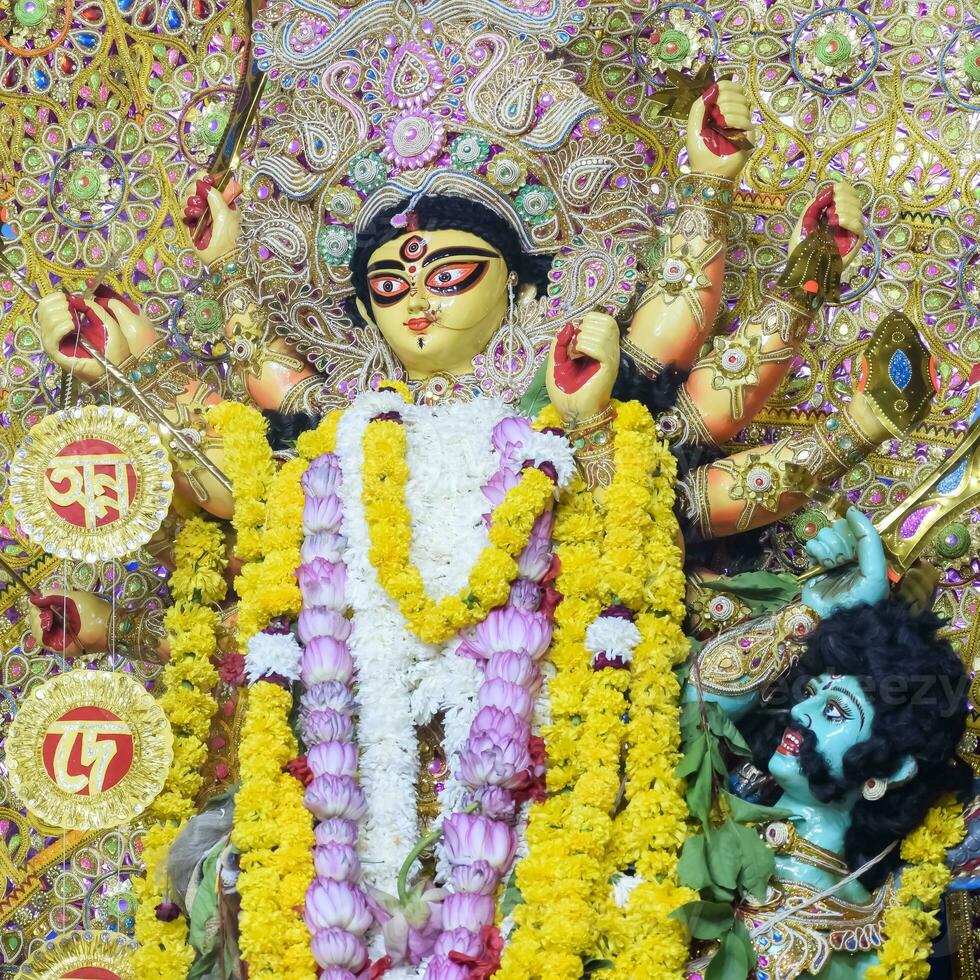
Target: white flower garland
402, 682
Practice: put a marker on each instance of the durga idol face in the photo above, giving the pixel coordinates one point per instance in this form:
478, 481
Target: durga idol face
438, 297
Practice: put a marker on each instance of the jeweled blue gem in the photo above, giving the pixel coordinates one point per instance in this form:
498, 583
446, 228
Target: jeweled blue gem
88, 40
900, 370
174, 20
125, 5
41, 79
6, 231
952, 480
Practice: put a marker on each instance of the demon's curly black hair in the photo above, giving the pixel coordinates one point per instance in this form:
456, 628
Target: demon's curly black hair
443, 212
286, 427
918, 686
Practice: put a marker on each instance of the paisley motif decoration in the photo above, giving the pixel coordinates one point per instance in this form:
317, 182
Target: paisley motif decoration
88, 750
89, 955
91, 483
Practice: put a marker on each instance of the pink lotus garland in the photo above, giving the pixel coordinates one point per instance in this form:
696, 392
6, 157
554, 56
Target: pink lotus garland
496, 759
337, 911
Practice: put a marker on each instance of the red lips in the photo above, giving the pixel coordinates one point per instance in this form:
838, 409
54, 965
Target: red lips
418, 324
791, 743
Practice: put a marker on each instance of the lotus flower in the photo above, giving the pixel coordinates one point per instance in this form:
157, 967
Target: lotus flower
440, 968
336, 758
336, 903
322, 477
337, 861
326, 725
335, 796
322, 514
497, 803
336, 973
325, 544
469, 837
510, 435
502, 723
535, 559
335, 947
467, 911
314, 621
516, 668
459, 941
479, 878
487, 759
413, 925
511, 629
496, 488
504, 695
330, 694
525, 595
326, 659
323, 583
336, 831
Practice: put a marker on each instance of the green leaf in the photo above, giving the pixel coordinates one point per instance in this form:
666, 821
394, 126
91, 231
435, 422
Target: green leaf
690, 721
693, 864
722, 726
744, 812
715, 893
512, 897
592, 967
693, 757
731, 962
705, 920
758, 862
699, 794
724, 854
764, 592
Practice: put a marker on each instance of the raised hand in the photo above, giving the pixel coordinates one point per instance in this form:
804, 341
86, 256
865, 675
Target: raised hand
108, 322
70, 623
716, 122
837, 206
218, 233
582, 366
847, 584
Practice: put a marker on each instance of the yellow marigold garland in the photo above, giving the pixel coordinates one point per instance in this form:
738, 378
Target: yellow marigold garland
630, 556
188, 679
650, 830
274, 832
272, 828
911, 925
248, 464
389, 524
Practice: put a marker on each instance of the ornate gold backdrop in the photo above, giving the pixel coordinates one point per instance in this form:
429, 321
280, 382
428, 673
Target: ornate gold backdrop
106, 110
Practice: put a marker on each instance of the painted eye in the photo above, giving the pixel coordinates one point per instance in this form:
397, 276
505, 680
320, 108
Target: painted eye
833, 712
456, 277
388, 288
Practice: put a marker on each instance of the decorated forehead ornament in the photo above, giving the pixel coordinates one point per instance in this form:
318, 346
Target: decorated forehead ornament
384, 105
88, 749
92, 483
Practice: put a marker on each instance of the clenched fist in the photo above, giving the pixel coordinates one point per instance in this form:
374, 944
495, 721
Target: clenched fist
721, 116
217, 234
108, 322
839, 208
582, 366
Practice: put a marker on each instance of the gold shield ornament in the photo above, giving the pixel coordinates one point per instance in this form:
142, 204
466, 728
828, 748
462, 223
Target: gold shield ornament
83, 955
91, 483
89, 749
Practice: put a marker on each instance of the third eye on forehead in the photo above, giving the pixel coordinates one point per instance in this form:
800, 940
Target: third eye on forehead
452, 252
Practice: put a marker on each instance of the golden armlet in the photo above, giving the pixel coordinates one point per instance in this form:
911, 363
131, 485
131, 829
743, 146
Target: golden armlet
751, 657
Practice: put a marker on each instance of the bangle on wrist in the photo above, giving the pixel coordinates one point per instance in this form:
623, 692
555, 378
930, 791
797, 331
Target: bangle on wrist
592, 444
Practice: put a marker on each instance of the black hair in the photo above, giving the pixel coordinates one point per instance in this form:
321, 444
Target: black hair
443, 212
284, 428
918, 687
